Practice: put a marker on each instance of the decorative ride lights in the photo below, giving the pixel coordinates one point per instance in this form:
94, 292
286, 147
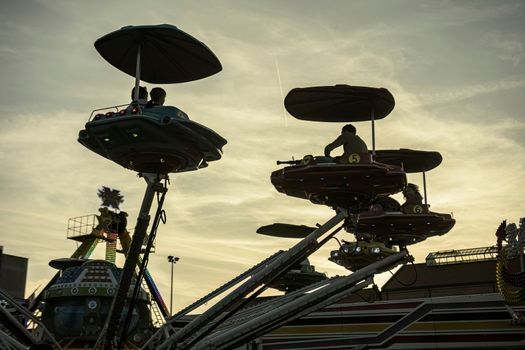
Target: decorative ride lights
121, 113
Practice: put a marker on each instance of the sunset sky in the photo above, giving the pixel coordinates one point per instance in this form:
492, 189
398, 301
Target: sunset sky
455, 68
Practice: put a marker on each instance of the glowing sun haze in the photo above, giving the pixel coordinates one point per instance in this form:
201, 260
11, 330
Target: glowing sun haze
455, 68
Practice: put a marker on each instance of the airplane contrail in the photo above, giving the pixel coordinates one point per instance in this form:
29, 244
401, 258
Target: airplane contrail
281, 89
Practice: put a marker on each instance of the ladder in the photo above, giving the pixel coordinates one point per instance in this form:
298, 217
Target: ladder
156, 315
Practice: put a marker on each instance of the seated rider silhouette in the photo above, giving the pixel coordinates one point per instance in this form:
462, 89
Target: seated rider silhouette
413, 200
158, 96
143, 98
352, 144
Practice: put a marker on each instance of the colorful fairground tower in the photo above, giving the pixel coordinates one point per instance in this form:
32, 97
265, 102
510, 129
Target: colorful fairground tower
78, 299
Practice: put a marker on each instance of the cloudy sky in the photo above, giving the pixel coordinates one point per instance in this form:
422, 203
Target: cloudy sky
456, 69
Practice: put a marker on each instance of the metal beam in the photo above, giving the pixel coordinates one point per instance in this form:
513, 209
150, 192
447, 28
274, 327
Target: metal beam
274, 269
306, 303
108, 333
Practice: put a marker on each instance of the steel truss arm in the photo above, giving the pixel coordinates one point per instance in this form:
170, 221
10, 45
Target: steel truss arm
223, 288
9, 343
168, 327
310, 300
33, 338
203, 324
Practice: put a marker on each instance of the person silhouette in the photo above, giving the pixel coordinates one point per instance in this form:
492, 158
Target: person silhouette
413, 200
143, 98
158, 96
349, 140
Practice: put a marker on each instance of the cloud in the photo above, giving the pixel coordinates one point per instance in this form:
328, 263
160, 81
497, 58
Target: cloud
469, 91
213, 213
509, 46
456, 13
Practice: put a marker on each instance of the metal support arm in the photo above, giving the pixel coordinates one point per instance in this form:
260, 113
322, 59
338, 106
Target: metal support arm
154, 185
315, 299
277, 267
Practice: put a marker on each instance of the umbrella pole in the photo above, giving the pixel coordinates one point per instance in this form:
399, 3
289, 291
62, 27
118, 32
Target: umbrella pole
425, 187
137, 76
373, 133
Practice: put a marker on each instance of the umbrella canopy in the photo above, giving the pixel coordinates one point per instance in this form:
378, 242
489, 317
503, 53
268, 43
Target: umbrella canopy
64, 263
339, 103
412, 161
167, 54
286, 230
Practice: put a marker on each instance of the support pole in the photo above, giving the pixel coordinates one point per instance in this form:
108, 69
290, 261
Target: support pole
142, 268
137, 75
113, 321
171, 290
373, 115
172, 260
425, 187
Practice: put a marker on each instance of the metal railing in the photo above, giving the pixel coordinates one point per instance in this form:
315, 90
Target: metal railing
116, 108
457, 256
81, 225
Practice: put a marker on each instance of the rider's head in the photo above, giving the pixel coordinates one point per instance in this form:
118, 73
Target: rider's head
411, 190
143, 93
158, 95
349, 128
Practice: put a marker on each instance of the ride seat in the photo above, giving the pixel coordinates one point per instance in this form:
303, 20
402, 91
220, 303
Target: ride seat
323, 159
354, 158
163, 111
